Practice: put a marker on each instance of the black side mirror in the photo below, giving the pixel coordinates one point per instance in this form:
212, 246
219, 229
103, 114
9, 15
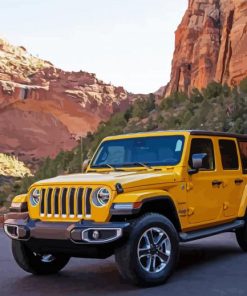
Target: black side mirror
85, 165
197, 160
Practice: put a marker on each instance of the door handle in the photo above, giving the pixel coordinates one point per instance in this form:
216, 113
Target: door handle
238, 181
216, 182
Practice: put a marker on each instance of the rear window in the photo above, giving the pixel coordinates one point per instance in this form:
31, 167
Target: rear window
229, 156
243, 154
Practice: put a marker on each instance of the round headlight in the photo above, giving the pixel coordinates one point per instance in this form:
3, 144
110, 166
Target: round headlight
101, 197
35, 197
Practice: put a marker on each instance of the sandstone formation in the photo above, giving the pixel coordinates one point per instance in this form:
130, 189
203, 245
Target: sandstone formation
211, 44
44, 109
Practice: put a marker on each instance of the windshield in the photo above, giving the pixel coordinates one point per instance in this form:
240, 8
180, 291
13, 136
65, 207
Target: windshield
152, 151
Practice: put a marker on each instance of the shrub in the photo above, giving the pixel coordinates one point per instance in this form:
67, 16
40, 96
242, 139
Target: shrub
213, 90
142, 107
196, 96
243, 85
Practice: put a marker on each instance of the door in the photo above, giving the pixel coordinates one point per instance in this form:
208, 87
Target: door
204, 186
232, 177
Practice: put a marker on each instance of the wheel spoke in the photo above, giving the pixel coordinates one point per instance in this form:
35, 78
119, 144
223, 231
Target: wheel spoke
162, 237
153, 263
150, 237
144, 252
163, 257
168, 247
149, 262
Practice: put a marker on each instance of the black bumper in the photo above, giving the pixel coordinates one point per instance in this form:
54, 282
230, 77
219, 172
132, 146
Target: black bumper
81, 239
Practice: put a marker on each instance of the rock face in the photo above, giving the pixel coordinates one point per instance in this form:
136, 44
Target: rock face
44, 109
211, 44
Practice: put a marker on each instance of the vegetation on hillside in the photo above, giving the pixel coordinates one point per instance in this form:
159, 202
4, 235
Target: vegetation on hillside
216, 107
11, 172
11, 166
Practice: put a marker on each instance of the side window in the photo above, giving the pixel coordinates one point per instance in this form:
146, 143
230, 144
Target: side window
203, 146
229, 156
243, 153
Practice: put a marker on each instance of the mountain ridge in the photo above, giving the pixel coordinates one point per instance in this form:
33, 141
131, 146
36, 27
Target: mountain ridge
51, 108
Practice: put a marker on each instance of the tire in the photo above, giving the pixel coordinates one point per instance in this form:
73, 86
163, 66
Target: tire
241, 235
137, 254
36, 263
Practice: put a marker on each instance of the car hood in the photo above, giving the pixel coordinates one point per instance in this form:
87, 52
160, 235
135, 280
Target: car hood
126, 179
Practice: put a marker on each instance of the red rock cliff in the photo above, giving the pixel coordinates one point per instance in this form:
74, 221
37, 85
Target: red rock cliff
211, 44
44, 109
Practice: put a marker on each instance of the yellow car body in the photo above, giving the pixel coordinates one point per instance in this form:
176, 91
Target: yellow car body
197, 202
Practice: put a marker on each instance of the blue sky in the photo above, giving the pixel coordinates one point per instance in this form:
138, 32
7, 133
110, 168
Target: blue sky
125, 42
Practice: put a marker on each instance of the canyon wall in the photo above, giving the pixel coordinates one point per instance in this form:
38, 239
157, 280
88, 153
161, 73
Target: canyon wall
210, 45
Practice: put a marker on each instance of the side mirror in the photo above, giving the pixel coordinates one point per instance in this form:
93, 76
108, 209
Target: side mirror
197, 160
85, 165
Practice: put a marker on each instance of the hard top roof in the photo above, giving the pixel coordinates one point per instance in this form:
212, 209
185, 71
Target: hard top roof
192, 132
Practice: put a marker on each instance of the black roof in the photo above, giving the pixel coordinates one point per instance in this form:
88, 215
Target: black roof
217, 134
197, 132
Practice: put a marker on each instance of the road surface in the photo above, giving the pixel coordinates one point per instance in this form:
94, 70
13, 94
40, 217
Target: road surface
213, 266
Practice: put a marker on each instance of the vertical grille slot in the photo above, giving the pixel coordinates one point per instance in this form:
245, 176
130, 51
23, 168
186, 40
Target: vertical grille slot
64, 194
56, 202
87, 201
42, 205
49, 197
79, 202
72, 202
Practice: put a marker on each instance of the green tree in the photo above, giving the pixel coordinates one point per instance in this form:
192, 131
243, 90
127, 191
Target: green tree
213, 90
243, 85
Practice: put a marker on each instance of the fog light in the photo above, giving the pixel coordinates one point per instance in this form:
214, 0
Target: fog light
95, 234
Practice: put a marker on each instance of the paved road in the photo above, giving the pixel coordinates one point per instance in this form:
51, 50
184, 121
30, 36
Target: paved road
213, 266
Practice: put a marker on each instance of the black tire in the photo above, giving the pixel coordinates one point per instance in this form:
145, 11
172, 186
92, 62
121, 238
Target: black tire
127, 258
241, 235
35, 263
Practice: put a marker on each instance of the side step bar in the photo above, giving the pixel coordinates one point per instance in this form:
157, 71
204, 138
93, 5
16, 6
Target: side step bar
194, 235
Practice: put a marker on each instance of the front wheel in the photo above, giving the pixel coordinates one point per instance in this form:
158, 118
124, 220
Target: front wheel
151, 253
34, 263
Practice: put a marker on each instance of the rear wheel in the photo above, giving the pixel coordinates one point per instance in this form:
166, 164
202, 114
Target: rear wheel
150, 255
37, 263
241, 235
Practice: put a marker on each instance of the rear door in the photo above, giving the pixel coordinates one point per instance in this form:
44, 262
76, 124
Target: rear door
232, 176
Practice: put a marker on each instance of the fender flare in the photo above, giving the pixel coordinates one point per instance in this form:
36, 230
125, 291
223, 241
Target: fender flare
142, 198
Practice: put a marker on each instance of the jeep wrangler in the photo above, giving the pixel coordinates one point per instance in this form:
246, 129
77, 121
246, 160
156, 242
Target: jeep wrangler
139, 197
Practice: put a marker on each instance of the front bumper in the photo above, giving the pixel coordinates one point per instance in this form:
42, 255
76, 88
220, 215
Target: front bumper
76, 239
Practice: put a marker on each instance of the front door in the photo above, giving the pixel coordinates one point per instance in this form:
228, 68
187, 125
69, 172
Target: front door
204, 187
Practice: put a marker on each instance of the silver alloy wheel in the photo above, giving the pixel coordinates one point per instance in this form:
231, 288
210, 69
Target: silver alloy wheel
154, 250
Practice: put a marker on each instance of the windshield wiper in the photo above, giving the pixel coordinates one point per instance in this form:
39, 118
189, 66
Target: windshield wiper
143, 165
108, 166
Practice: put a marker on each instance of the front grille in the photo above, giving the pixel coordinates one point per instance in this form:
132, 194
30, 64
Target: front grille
65, 202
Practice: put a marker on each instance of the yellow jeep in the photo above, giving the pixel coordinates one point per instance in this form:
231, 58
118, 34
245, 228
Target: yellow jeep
140, 196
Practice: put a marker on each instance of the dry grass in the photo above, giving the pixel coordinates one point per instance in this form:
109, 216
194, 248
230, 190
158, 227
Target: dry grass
11, 166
